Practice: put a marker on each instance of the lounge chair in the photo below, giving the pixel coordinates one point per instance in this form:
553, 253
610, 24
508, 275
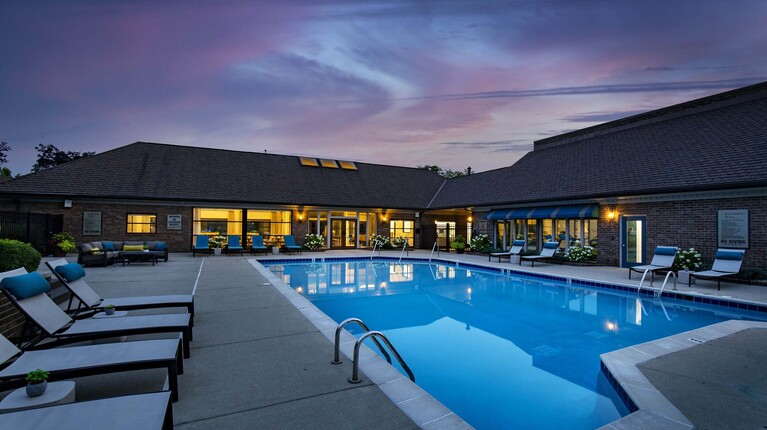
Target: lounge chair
662, 259
547, 253
27, 291
727, 262
138, 411
87, 360
73, 279
201, 245
516, 248
290, 244
257, 245
233, 245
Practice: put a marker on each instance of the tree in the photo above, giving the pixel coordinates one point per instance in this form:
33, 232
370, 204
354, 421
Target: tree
445, 173
4, 147
49, 156
5, 172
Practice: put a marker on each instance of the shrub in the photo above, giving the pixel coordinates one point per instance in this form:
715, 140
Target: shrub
64, 241
398, 242
380, 241
579, 254
15, 254
480, 243
314, 241
458, 242
687, 259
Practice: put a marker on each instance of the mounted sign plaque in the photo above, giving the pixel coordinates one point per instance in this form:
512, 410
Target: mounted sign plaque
733, 228
91, 223
174, 222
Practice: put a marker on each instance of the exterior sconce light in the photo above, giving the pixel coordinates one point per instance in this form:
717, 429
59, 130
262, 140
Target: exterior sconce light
612, 215
300, 217
471, 219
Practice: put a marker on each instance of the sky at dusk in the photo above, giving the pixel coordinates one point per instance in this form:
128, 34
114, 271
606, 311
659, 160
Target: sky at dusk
452, 83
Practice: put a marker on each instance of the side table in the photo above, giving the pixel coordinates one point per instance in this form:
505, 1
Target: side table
57, 393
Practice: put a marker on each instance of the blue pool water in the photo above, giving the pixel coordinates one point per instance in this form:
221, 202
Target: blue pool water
500, 351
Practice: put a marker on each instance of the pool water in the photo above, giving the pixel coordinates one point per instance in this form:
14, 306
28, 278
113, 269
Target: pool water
500, 351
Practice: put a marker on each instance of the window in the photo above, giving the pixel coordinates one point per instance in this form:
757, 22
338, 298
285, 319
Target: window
400, 228
142, 223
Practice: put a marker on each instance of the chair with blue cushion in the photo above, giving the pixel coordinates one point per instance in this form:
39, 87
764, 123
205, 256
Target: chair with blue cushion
233, 245
201, 245
727, 262
290, 244
516, 248
71, 276
257, 245
547, 254
662, 259
27, 291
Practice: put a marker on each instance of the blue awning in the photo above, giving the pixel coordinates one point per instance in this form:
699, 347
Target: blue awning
546, 212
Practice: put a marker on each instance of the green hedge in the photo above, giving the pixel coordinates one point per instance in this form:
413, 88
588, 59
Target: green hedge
15, 254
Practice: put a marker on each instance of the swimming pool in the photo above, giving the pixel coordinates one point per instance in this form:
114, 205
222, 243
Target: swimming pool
501, 351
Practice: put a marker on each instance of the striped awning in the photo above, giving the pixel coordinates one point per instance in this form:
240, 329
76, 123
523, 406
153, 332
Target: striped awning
546, 212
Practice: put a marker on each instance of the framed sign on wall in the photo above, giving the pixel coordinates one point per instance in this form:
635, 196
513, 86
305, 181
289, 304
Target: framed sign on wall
91, 223
174, 222
732, 228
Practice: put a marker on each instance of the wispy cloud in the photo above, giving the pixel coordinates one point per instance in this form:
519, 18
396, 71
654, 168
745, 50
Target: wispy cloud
600, 116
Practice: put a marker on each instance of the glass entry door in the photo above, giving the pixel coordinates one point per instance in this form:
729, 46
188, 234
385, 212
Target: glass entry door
633, 240
445, 233
343, 233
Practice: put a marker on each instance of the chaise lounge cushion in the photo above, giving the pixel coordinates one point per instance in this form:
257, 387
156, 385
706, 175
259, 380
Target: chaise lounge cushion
25, 286
133, 248
71, 271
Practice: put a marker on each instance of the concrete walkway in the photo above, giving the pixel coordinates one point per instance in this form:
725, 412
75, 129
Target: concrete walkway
258, 362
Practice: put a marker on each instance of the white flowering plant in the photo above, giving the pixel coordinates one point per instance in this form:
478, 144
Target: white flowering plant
480, 243
579, 254
313, 241
218, 242
398, 242
380, 241
687, 259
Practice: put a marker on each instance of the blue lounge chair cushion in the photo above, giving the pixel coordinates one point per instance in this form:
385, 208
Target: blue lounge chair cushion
665, 250
161, 246
518, 243
71, 271
728, 255
550, 245
202, 242
108, 246
26, 285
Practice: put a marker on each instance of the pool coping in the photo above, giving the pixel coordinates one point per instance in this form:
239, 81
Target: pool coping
646, 404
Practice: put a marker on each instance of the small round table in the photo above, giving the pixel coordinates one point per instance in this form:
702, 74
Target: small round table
57, 393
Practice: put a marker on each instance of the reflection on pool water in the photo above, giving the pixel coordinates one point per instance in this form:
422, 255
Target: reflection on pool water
500, 351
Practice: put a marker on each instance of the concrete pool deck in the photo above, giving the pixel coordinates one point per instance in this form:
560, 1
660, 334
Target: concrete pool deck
257, 361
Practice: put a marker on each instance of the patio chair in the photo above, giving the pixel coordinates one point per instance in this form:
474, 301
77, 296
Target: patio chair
516, 248
257, 245
137, 411
233, 245
71, 277
727, 262
290, 244
27, 291
201, 245
87, 360
547, 253
662, 259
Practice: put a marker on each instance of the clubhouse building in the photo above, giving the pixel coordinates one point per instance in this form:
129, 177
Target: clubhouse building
688, 175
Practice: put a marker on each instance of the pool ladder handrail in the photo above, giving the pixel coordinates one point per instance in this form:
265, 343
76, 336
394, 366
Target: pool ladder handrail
375, 245
404, 247
436, 245
662, 287
368, 334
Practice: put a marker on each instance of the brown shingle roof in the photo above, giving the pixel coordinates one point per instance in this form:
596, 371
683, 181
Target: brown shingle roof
169, 172
716, 143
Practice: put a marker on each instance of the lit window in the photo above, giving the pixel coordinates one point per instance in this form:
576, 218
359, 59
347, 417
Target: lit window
347, 165
330, 164
306, 161
142, 223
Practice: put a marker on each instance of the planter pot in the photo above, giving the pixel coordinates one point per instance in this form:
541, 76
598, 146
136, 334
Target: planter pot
34, 390
459, 251
684, 277
109, 311
57, 252
513, 259
216, 251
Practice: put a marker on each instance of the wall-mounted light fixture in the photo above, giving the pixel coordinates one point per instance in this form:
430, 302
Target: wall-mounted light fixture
612, 215
471, 218
67, 203
300, 217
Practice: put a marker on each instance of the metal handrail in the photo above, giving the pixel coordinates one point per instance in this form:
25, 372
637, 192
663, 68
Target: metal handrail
436, 245
375, 245
337, 351
373, 334
404, 247
670, 273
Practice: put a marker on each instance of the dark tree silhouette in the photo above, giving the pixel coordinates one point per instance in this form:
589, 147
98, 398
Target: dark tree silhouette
49, 156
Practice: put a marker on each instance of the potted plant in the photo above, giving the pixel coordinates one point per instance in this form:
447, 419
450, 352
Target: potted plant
314, 242
480, 243
458, 244
687, 260
62, 243
398, 242
109, 309
218, 243
37, 382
